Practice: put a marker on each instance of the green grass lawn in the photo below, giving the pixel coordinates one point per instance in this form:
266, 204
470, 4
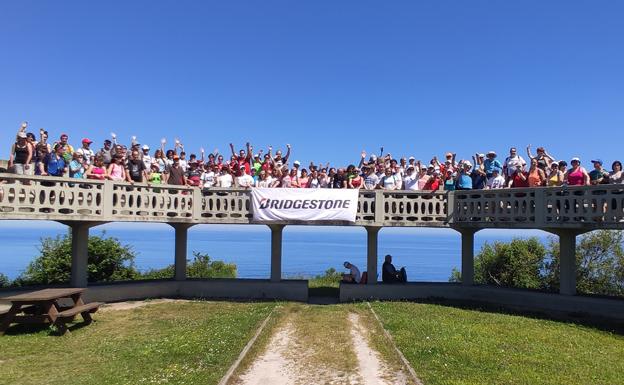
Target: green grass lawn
170, 343
447, 345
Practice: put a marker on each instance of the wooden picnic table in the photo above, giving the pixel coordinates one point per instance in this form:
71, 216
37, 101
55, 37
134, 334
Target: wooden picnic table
42, 307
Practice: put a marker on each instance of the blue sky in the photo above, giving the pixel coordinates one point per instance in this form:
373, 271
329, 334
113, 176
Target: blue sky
329, 77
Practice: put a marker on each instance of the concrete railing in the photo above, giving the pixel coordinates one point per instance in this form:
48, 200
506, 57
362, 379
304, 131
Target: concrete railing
68, 200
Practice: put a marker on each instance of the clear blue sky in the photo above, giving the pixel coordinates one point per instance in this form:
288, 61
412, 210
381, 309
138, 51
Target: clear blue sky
329, 77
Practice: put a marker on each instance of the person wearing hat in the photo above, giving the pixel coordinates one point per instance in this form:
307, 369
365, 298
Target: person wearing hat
513, 163
106, 152
296, 165
598, 175
21, 156
353, 276
491, 163
176, 173
464, 178
86, 152
496, 181
411, 178
576, 175
68, 149
146, 158
434, 181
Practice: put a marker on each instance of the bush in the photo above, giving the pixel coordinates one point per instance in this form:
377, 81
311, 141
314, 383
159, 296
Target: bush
4, 281
108, 260
200, 267
331, 278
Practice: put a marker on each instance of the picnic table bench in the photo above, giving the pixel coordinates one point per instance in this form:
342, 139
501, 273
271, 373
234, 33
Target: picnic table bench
43, 307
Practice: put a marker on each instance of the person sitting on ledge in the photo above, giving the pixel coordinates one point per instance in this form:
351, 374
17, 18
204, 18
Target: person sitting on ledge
390, 274
353, 276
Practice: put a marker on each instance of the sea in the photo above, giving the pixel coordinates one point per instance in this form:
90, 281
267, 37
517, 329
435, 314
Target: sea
429, 255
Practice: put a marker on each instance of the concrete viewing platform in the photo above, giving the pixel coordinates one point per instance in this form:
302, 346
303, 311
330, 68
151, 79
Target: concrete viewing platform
82, 204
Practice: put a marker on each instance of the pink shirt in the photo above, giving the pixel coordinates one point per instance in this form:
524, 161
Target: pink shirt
576, 178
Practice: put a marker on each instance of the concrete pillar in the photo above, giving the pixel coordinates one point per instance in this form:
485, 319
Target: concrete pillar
467, 256
371, 253
80, 254
181, 250
276, 252
567, 262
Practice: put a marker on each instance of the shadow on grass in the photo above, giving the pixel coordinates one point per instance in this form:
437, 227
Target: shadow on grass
22, 329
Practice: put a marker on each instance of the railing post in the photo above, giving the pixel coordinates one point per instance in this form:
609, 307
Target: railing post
276, 252
467, 256
107, 200
197, 204
372, 233
379, 207
450, 207
540, 207
181, 250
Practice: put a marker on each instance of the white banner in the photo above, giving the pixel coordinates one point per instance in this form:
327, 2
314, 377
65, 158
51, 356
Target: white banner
309, 204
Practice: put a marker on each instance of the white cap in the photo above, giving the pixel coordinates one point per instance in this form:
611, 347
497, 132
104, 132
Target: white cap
145, 147
576, 159
21, 134
411, 157
296, 162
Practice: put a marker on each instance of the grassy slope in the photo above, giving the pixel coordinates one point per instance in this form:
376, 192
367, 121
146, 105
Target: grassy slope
190, 343
447, 345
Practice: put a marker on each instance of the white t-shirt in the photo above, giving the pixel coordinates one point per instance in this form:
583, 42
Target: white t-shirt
208, 179
498, 182
225, 180
86, 154
245, 181
513, 163
266, 182
389, 182
147, 161
411, 182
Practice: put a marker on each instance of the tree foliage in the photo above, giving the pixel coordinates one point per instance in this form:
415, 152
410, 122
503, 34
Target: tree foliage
527, 263
200, 267
4, 281
108, 260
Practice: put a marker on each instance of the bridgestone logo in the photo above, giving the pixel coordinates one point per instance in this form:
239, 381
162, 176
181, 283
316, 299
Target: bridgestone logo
304, 204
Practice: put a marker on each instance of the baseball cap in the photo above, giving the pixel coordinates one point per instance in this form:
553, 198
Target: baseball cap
87, 140
597, 160
21, 135
492, 153
296, 162
145, 147
576, 159
411, 157
175, 157
481, 155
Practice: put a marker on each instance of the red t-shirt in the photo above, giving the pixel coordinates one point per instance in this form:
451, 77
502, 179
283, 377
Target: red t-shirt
432, 184
518, 182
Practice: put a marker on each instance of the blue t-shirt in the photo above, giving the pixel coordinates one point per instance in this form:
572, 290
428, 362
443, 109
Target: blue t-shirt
491, 164
55, 165
464, 181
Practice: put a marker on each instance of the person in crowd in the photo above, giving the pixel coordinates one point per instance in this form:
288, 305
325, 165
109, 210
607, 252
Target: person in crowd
576, 175
244, 180
519, 178
424, 174
555, 176
544, 160
183, 161
265, 179
42, 149
225, 179
106, 152
598, 175
410, 180
512, 164
209, 176
434, 182
563, 166
21, 156
314, 181
243, 159
155, 176
464, 178
616, 176
68, 149
303, 179
135, 169
496, 181
354, 179
353, 276
536, 176
449, 180
478, 175
340, 179
278, 155
389, 274
54, 164
86, 152
98, 169
145, 157
193, 173
117, 170
76, 166
389, 181
491, 163
175, 172
371, 180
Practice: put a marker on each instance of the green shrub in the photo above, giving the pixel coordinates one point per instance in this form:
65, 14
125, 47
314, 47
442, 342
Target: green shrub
4, 281
200, 267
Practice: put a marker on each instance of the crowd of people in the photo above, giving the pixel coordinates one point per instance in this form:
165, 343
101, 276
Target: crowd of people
136, 163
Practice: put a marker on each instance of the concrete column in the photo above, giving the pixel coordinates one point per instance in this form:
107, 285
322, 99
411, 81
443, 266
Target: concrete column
371, 253
467, 256
276, 252
181, 250
80, 254
567, 262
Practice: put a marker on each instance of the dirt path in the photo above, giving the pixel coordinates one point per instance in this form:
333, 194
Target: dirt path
333, 349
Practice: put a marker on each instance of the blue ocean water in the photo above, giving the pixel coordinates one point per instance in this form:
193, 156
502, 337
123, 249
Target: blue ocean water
427, 254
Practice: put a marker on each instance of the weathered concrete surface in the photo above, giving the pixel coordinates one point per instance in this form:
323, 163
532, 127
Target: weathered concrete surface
510, 298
